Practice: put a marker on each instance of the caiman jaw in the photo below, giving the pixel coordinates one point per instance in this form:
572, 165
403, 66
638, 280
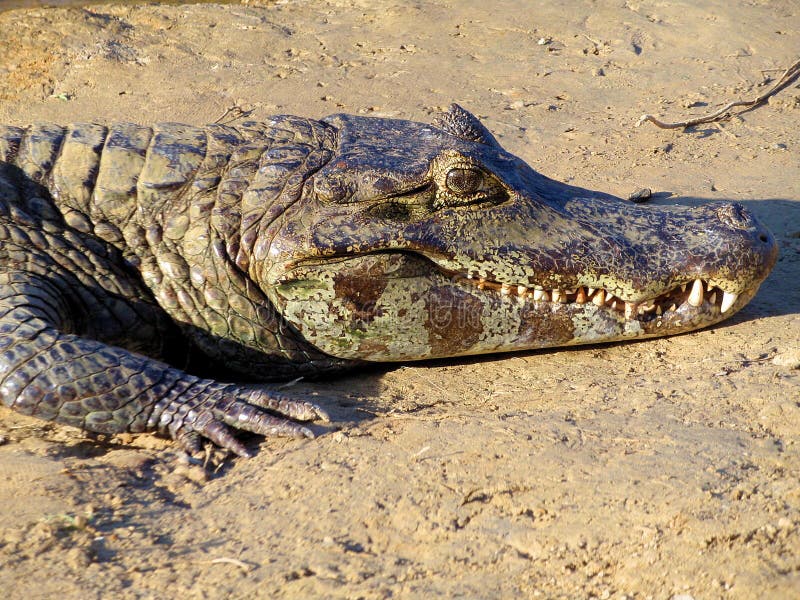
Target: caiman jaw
694, 294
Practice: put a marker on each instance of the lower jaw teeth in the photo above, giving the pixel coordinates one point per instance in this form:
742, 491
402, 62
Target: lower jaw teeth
728, 300
630, 310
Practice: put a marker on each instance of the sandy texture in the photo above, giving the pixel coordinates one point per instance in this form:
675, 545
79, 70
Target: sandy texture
663, 469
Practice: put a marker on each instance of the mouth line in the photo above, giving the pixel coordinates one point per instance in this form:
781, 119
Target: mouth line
697, 295
694, 294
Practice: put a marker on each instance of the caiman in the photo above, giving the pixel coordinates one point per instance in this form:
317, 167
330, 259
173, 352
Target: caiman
140, 264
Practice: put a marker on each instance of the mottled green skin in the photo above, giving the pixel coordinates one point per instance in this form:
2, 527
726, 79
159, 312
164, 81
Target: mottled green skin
132, 256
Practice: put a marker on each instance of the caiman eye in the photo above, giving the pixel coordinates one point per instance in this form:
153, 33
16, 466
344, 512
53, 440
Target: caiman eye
464, 182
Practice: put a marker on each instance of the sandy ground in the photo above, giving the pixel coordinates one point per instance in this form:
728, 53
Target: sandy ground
661, 469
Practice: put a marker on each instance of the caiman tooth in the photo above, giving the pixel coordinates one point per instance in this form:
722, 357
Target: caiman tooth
590, 291
581, 297
505, 289
674, 307
696, 295
540, 295
659, 312
521, 290
558, 295
683, 287
599, 298
630, 309
481, 283
712, 299
728, 300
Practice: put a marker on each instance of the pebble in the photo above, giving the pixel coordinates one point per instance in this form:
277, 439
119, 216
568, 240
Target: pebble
76, 558
788, 358
127, 459
194, 473
642, 195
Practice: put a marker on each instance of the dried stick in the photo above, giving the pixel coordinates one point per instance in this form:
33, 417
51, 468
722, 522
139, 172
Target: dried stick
789, 75
233, 113
231, 561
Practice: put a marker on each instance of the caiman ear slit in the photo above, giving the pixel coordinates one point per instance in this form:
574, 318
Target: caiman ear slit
462, 123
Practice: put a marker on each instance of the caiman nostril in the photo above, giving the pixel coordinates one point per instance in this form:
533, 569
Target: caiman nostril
764, 238
734, 215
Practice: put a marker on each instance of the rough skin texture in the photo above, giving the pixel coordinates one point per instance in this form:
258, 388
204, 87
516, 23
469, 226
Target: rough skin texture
133, 259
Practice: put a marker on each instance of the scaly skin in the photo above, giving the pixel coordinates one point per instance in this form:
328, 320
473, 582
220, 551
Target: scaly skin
133, 259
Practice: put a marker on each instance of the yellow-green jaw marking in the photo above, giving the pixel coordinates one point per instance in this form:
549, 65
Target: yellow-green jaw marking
394, 307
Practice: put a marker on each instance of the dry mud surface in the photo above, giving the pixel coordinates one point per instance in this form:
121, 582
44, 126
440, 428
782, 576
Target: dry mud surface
660, 469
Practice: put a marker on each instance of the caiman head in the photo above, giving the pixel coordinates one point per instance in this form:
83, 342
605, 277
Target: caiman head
417, 241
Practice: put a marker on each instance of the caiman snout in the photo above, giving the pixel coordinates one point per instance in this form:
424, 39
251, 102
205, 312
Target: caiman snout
737, 217
641, 251
737, 246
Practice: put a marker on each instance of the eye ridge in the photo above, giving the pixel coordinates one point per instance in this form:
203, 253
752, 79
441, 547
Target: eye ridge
464, 181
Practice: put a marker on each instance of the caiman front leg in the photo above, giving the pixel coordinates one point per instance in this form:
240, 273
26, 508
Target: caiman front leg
51, 373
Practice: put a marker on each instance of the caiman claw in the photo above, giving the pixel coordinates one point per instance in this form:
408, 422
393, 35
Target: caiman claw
215, 411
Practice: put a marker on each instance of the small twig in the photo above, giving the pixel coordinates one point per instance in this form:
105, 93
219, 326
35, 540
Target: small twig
208, 452
789, 75
231, 561
725, 131
291, 383
595, 42
421, 451
233, 112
